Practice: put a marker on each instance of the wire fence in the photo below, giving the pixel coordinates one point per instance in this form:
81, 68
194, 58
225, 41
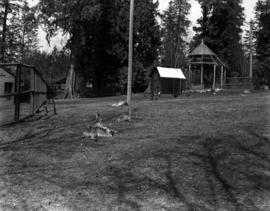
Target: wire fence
238, 83
23, 94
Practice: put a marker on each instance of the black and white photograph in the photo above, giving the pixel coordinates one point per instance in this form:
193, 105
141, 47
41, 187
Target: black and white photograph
134, 105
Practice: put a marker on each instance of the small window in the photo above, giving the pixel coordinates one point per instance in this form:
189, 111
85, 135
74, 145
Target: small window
8, 88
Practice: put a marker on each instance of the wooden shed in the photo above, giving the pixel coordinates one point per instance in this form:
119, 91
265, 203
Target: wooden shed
166, 81
7, 81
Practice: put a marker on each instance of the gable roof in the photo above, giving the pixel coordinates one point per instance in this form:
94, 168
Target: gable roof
8, 71
202, 49
204, 55
170, 73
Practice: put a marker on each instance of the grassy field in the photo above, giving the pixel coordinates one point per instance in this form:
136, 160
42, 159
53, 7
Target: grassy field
202, 152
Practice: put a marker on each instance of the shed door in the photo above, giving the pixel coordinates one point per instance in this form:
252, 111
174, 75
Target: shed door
155, 84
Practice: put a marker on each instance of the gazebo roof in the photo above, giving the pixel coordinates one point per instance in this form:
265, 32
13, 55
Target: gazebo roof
201, 50
202, 54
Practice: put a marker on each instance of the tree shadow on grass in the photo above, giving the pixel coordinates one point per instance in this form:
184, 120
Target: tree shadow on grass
223, 173
234, 174
238, 170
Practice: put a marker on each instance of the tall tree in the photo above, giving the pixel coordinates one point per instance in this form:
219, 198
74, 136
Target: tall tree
221, 26
69, 16
146, 40
99, 38
249, 38
176, 24
28, 31
4, 13
263, 42
19, 29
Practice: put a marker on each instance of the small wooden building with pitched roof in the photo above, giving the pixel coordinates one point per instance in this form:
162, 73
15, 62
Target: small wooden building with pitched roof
202, 58
166, 81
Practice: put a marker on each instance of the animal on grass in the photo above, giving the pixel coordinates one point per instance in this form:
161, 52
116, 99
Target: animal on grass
98, 129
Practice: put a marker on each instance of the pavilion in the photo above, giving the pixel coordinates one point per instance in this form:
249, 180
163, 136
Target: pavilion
200, 58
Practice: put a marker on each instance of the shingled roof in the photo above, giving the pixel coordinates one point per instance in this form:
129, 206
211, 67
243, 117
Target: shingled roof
202, 49
202, 54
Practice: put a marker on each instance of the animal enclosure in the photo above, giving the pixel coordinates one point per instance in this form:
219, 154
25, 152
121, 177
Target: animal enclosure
30, 92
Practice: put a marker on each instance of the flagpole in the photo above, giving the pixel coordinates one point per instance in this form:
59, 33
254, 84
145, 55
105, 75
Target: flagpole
130, 56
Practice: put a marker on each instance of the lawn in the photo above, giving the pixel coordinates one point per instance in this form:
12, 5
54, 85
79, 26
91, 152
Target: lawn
203, 152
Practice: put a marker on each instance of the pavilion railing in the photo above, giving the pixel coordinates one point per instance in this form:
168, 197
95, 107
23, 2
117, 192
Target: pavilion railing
238, 83
28, 95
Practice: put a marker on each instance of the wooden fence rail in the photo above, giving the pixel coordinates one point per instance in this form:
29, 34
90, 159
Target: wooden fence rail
38, 89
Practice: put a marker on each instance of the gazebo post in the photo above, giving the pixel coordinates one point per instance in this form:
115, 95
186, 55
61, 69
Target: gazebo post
225, 77
190, 75
214, 77
222, 77
201, 74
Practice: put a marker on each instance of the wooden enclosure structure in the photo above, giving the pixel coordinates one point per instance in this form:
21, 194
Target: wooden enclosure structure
202, 57
166, 81
28, 82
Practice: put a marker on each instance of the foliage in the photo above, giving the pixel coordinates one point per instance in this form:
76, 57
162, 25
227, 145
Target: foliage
19, 31
99, 39
250, 38
220, 26
53, 66
175, 25
262, 72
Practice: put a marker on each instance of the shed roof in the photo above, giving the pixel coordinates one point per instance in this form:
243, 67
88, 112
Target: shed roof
171, 73
202, 49
8, 71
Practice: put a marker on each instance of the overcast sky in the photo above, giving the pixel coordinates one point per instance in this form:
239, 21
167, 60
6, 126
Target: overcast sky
195, 13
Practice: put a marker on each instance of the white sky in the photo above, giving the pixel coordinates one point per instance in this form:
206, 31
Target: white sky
195, 14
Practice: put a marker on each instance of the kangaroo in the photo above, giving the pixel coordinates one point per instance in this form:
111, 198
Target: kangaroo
99, 130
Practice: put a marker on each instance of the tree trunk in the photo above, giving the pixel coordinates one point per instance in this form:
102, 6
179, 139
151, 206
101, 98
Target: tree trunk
70, 91
3, 48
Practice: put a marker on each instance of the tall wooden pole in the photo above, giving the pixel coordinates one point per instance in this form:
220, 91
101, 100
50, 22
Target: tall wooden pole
190, 76
201, 74
251, 53
214, 77
251, 65
130, 58
17, 91
222, 77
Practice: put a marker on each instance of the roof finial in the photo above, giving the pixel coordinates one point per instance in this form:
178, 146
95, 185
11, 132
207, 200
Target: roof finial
202, 41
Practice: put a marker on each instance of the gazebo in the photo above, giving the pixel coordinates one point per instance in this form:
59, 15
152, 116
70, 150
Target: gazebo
202, 56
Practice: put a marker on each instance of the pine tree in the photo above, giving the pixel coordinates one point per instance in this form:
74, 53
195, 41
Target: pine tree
250, 38
70, 16
19, 31
176, 24
28, 28
262, 34
220, 26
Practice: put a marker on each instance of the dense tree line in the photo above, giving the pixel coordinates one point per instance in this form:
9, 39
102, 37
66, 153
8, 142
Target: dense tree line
97, 49
99, 41
262, 34
19, 30
53, 66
